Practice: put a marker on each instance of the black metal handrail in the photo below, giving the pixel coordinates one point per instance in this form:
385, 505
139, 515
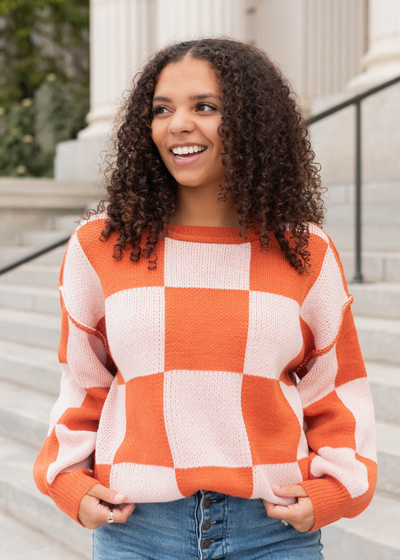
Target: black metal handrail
35, 253
355, 100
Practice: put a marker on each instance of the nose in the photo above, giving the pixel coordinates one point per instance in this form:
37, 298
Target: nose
181, 121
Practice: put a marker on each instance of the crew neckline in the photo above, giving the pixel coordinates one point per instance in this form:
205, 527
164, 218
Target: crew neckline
211, 234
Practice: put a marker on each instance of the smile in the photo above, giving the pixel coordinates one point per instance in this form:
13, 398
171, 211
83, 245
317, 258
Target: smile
188, 155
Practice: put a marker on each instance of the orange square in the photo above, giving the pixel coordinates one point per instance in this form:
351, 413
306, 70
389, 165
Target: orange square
116, 275
233, 481
146, 441
206, 329
270, 270
272, 426
330, 423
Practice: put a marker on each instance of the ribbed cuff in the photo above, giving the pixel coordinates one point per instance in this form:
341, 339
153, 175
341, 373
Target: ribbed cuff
68, 489
329, 498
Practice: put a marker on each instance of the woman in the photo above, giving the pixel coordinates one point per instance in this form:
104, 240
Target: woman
214, 400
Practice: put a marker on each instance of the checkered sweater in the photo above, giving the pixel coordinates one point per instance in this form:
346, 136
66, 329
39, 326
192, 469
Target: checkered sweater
224, 369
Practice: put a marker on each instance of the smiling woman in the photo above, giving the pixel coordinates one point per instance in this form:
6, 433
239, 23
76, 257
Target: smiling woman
186, 119
214, 400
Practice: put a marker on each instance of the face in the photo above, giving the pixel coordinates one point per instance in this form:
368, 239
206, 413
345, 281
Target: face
185, 123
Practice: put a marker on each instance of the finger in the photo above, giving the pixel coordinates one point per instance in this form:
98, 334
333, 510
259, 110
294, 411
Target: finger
277, 512
292, 490
106, 494
290, 512
120, 515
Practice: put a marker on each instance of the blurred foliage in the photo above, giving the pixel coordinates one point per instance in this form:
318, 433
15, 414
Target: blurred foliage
42, 42
20, 155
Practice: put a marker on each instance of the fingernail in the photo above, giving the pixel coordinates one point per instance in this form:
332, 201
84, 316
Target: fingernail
119, 497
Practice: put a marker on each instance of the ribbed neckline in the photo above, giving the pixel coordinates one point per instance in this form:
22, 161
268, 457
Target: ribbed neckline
210, 234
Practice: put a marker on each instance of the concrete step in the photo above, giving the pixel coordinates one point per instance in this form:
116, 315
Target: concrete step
388, 444
373, 192
384, 382
379, 339
28, 327
42, 237
63, 223
24, 413
33, 274
17, 538
374, 238
12, 252
20, 498
380, 300
30, 366
372, 535
30, 298
377, 266
374, 214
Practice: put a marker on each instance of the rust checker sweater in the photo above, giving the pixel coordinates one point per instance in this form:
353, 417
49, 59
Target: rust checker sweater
224, 369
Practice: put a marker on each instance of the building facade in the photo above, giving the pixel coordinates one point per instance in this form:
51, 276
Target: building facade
329, 50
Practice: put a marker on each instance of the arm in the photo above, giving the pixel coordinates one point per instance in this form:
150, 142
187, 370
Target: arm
337, 405
64, 466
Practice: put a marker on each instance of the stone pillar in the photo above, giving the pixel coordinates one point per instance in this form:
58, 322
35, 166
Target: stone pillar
121, 36
123, 33
382, 60
334, 138
317, 43
179, 20
120, 40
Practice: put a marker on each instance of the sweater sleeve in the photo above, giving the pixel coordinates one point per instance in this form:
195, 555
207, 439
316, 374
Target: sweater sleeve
64, 466
338, 409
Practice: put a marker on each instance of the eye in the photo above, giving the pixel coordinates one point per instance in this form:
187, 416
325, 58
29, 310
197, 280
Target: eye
206, 105
157, 110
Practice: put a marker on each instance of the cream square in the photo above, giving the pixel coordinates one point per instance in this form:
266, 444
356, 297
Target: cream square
265, 475
204, 420
206, 265
145, 483
135, 325
274, 336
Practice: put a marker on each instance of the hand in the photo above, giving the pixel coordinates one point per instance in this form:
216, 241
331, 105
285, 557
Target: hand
300, 515
93, 514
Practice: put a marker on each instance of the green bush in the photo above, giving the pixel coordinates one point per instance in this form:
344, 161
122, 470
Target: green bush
42, 42
20, 154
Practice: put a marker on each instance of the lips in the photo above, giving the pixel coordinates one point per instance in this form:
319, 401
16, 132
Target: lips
186, 159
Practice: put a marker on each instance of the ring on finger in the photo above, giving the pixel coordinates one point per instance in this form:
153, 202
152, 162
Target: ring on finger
110, 518
284, 522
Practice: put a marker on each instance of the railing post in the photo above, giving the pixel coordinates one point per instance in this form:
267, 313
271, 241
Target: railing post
358, 277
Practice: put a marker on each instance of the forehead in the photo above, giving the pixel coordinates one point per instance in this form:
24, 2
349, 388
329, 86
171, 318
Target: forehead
186, 77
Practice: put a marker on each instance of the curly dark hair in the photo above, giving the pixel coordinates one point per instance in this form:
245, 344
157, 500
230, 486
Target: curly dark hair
268, 160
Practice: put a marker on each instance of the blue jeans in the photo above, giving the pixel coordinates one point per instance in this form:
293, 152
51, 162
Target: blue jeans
204, 526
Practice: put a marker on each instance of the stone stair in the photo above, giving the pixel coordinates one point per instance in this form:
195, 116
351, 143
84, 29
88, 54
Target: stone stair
29, 385
30, 379
374, 534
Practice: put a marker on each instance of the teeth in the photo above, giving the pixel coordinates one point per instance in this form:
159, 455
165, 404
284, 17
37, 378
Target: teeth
188, 150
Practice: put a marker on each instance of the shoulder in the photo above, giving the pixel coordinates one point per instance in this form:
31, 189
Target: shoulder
89, 230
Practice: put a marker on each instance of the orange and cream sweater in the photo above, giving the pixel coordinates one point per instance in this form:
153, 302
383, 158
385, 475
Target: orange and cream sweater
224, 369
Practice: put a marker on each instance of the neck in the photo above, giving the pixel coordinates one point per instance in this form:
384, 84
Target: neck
200, 207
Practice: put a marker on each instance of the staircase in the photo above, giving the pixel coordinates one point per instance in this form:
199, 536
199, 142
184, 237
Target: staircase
30, 377
29, 385
374, 534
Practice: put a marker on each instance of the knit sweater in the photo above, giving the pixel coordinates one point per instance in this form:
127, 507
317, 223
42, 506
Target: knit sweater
223, 369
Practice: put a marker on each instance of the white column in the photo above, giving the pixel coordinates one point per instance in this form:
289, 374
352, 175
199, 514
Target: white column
123, 33
120, 40
382, 60
179, 20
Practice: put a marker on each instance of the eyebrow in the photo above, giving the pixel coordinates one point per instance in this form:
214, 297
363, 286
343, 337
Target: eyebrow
191, 98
